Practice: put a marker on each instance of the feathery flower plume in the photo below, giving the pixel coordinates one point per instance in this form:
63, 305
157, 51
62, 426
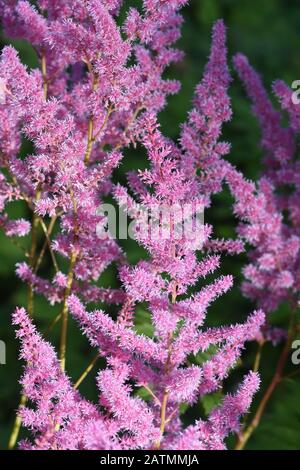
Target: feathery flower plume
270, 216
99, 89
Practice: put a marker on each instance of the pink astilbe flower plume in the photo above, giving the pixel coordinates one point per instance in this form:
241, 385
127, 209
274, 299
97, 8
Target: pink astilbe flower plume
97, 79
160, 363
201, 133
85, 97
269, 215
61, 418
99, 88
209, 435
201, 148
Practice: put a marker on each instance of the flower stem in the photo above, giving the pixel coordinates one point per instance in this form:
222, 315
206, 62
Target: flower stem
53, 323
32, 253
86, 372
90, 141
44, 74
258, 356
156, 399
91, 138
164, 403
277, 377
65, 311
46, 243
17, 424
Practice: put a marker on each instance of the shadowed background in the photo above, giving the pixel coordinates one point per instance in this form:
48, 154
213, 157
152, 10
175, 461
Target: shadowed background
267, 32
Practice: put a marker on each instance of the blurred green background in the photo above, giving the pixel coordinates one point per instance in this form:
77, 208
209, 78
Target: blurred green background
267, 32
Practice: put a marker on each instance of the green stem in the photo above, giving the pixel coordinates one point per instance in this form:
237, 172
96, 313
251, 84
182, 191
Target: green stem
245, 435
65, 311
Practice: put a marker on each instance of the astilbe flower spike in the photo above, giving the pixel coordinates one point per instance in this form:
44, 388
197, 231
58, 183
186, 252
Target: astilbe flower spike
99, 89
201, 148
84, 104
70, 125
159, 364
200, 135
269, 221
62, 419
270, 216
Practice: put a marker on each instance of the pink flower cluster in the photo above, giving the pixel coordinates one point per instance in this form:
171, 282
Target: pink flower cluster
269, 213
98, 90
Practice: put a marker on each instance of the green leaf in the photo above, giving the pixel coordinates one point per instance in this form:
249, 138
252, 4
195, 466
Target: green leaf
211, 401
279, 427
